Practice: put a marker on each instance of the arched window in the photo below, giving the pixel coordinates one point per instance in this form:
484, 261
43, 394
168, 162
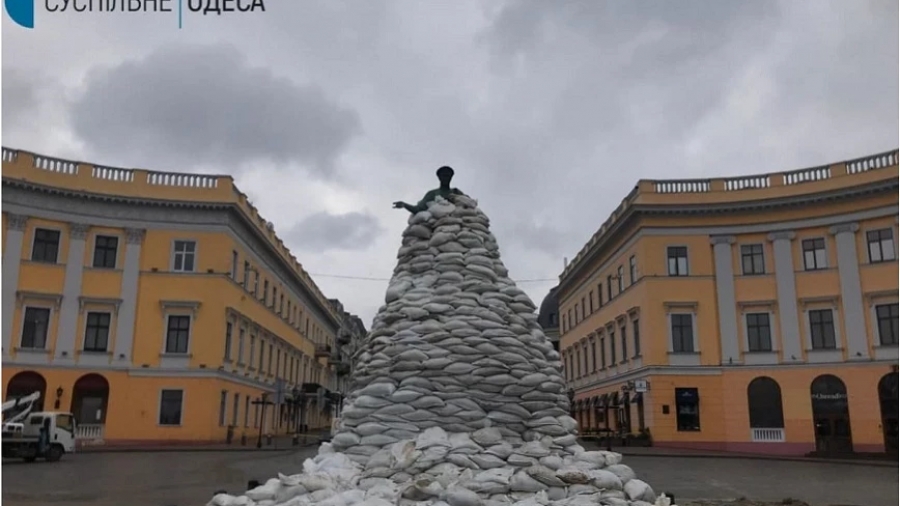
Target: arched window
764, 402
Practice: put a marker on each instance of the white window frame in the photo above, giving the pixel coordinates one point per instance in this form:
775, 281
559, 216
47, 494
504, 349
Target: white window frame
159, 407
119, 244
175, 254
25, 308
682, 358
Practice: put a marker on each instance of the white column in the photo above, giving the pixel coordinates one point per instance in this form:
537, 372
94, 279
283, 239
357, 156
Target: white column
68, 312
12, 259
128, 312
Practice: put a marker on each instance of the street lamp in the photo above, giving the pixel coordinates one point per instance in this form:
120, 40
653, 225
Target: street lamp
264, 402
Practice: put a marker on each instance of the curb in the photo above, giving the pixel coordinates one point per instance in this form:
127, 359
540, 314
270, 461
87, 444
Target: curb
850, 462
188, 449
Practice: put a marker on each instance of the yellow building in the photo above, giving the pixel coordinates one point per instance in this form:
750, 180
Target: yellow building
157, 307
747, 314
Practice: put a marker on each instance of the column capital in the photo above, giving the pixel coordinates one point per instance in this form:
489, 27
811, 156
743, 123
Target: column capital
844, 228
16, 221
134, 235
782, 235
78, 231
722, 239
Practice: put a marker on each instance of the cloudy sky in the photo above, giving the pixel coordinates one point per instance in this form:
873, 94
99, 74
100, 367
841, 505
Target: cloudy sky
327, 111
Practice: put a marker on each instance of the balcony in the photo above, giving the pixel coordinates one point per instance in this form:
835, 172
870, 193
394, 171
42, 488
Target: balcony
323, 351
758, 435
344, 337
89, 432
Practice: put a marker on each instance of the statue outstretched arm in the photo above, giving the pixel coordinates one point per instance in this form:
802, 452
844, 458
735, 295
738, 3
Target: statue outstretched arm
403, 205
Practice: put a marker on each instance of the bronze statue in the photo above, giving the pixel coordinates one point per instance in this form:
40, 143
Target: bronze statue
444, 174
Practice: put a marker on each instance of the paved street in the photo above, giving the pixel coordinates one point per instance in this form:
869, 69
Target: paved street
189, 479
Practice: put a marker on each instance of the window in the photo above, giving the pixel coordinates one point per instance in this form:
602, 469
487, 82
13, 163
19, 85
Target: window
576, 315
274, 296
632, 270
583, 309
262, 354
623, 335
269, 365
241, 333
247, 411
223, 407
570, 373
814, 254
170, 402
752, 260
620, 274
235, 408
821, 329
600, 295
677, 260
591, 301
603, 353
46, 246
609, 294
96, 332
886, 315
34, 328
234, 264
759, 332
281, 305
881, 245
228, 331
594, 356
105, 251
255, 283
252, 350
184, 253
687, 409
577, 363
612, 347
586, 370
246, 275
682, 333
570, 322
177, 333
636, 335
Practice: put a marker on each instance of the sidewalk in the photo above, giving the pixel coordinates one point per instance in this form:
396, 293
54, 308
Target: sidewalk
279, 444
640, 451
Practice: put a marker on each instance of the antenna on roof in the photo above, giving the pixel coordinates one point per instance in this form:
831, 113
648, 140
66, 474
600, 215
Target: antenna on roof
565, 262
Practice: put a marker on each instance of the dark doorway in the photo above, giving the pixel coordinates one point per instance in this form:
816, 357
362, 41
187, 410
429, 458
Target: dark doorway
831, 416
27, 383
766, 413
90, 398
887, 399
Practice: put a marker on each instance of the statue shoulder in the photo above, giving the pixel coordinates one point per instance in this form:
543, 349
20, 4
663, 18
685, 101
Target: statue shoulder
457, 191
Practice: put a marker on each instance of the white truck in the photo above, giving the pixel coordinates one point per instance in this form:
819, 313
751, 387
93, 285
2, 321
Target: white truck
43, 434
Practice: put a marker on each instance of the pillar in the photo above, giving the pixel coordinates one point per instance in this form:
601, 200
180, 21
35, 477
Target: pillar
128, 312
786, 288
12, 259
728, 336
68, 311
851, 291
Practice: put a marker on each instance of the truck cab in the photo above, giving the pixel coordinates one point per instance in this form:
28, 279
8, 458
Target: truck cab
45, 434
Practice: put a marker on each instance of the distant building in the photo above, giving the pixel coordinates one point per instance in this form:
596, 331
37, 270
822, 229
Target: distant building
156, 306
754, 313
548, 317
349, 338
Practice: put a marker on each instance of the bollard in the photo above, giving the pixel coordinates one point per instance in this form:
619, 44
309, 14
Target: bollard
268, 440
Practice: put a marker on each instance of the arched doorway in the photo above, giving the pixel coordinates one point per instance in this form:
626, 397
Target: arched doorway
27, 383
766, 412
831, 415
90, 398
887, 399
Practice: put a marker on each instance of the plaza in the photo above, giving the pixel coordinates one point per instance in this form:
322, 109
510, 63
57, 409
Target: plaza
190, 478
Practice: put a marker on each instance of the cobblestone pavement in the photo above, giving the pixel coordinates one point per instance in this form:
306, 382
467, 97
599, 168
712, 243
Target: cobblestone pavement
190, 478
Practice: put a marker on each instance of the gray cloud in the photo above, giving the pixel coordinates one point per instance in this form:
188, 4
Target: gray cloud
321, 232
19, 95
549, 111
194, 104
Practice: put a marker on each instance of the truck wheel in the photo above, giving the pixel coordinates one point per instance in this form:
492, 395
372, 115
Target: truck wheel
54, 453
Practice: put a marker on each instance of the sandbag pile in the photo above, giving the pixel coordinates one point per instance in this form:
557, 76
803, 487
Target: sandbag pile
457, 396
456, 345
537, 478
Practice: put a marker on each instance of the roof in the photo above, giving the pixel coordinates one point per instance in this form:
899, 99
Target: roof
549, 308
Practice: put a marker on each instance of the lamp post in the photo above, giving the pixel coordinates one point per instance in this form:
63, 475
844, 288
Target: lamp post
263, 401
59, 394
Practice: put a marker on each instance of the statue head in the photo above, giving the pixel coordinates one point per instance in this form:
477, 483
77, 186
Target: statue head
445, 174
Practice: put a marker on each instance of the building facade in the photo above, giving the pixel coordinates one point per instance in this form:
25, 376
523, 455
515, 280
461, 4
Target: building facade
751, 314
157, 307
